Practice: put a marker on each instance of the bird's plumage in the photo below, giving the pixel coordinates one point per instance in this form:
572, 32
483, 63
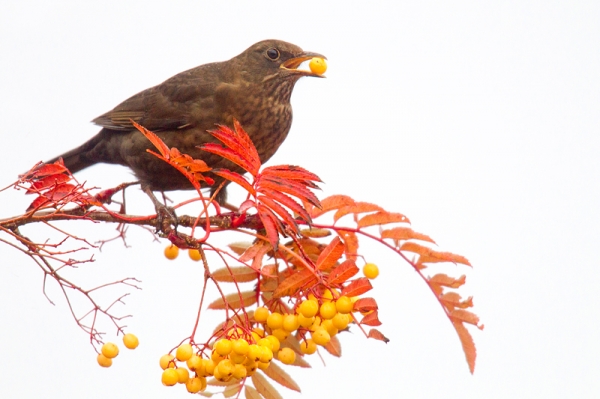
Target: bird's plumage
254, 87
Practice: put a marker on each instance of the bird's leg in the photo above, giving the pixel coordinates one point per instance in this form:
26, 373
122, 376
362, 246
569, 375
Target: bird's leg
165, 215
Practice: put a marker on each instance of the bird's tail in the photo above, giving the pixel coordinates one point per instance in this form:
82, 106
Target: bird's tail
79, 158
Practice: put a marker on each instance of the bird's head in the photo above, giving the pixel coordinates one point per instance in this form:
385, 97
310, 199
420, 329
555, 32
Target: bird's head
272, 59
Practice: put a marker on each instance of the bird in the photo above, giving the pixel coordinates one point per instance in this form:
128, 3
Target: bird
253, 88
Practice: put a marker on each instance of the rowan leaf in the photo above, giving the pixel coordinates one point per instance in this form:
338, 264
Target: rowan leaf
228, 154
404, 233
241, 274
294, 283
279, 210
330, 254
381, 217
465, 316
288, 202
46, 169
291, 187
332, 203
376, 334
357, 287
278, 375
233, 301
240, 247
264, 387
356, 208
467, 343
47, 182
238, 141
334, 347
444, 280
351, 242
428, 255
315, 233
271, 224
371, 319
236, 178
252, 393
292, 172
155, 140
453, 300
365, 305
343, 272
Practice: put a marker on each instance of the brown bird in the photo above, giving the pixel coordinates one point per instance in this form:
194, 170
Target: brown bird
254, 87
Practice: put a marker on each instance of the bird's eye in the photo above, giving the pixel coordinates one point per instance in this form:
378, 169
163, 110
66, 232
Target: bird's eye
273, 54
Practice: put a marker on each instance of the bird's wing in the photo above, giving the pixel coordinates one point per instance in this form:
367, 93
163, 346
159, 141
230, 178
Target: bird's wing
170, 105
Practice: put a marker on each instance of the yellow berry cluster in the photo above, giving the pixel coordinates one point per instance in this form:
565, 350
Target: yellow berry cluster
110, 350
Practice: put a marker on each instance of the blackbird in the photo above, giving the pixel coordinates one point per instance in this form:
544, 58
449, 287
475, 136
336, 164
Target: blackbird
254, 87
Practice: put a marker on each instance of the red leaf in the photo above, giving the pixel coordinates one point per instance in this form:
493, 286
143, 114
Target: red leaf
47, 181
365, 305
371, 319
341, 273
228, 154
271, 224
291, 172
330, 254
55, 168
299, 280
154, 139
236, 178
291, 187
289, 202
357, 287
376, 334
275, 207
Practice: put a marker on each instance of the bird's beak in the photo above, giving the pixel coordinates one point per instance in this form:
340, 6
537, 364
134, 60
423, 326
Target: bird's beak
293, 63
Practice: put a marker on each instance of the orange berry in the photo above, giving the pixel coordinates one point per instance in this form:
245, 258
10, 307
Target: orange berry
254, 352
170, 377
305, 321
328, 310
286, 356
344, 304
166, 361
308, 347
103, 360
184, 352
196, 384
223, 347
280, 334
239, 371
130, 341
317, 65
308, 308
340, 321
261, 314
275, 343
183, 375
290, 322
321, 336
110, 350
331, 329
240, 346
275, 320
194, 255
171, 252
371, 271
194, 362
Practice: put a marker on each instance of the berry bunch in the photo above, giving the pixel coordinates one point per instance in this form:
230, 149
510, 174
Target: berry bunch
110, 350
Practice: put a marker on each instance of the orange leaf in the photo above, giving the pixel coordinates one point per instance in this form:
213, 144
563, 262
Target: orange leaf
239, 142
351, 243
315, 233
240, 274
343, 272
371, 319
228, 154
155, 140
428, 255
404, 233
294, 283
236, 178
290, 187
278, 209
291, 172
332, 203
251, 393
358, 207
462, 315
264, 387
334, 347
330, 254
447, 281
233, 301
289, 202
277, 374
453, 300
376, 334
467, 343
357, 287
365, 305
382, 217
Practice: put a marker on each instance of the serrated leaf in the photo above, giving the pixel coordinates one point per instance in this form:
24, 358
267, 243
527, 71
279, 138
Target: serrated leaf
404, 233
351, 242
252, 393
371, 319
47, 182
240, 274
330, 255
236, 178
428, 255
357, 287
365, 305
279, 210
343, 272
465, 316
264, 387
48, 169
376, 334
315, 233
453, 300
278, 375
467, 343
447, 281
332, 203
334, 347
234, 302
299, 280
356, 208
382, 217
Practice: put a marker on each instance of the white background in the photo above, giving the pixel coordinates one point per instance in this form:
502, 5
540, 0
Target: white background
478, 120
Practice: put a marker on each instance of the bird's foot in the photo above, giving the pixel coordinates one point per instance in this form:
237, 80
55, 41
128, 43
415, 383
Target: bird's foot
166, 219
